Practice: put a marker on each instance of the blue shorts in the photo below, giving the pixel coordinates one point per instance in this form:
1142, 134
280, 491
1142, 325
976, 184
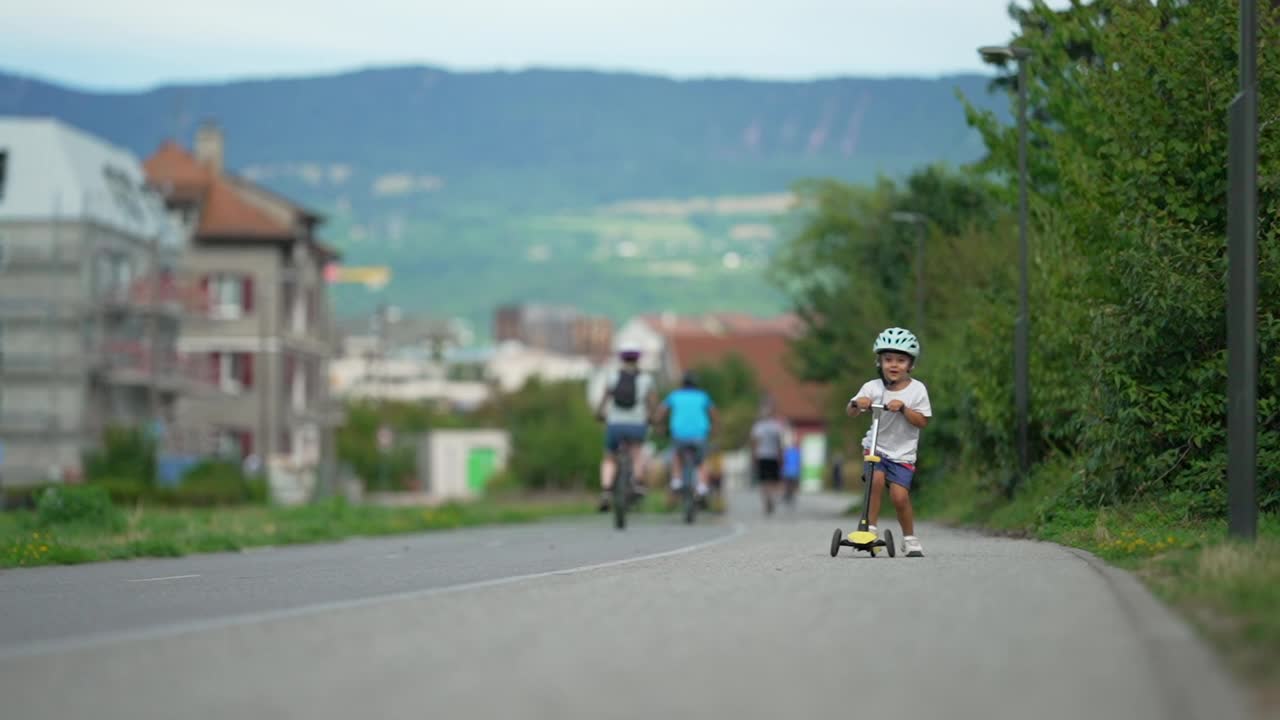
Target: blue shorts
894, 472
616, 433
699, 448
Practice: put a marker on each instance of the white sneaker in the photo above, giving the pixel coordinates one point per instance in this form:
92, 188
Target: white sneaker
911, 546
872, 529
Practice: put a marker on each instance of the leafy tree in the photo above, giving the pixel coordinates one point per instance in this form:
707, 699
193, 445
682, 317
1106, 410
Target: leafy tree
557, 443
1127, 268
733, 386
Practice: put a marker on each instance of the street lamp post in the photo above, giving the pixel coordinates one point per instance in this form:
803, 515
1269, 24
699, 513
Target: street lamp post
1021, 352
922, 229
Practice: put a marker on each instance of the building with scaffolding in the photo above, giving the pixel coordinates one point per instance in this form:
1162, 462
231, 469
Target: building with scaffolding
92, 298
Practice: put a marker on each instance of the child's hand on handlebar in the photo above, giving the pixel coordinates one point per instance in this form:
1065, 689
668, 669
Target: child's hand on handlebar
857, 406
895, 406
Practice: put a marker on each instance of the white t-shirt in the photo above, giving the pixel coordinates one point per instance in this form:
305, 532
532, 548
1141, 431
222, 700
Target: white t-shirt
898, 438
637, 414
768, 432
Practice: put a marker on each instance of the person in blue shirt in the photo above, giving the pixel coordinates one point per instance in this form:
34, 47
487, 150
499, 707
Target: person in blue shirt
791, 467
691, 415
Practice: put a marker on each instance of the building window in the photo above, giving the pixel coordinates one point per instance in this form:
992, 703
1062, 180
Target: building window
115, 273
233, 371
301, 381
230, 295
124, 191
233, 444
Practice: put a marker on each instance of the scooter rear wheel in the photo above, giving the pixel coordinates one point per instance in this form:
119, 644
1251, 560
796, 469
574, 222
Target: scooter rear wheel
835, 542
888, 542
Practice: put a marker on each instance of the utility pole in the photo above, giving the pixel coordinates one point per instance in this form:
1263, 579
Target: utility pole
264, 384
1242, 289
152, 347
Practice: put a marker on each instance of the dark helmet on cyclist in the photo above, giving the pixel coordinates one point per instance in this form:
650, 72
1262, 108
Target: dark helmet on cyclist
629, 353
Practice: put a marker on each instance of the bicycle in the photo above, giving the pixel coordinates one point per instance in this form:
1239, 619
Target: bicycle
688, 453
623, 494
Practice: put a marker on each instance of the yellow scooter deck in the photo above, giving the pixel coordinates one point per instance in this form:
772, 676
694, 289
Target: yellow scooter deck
862, 537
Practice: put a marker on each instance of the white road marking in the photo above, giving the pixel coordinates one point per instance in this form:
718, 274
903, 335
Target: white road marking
184, 628
168, 577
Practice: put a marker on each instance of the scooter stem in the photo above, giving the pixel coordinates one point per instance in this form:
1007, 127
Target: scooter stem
876, 410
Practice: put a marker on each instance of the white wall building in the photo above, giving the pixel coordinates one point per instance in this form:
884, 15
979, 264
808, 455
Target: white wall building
512, 365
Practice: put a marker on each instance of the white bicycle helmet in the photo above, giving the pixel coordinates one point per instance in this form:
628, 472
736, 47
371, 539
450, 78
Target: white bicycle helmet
900, 340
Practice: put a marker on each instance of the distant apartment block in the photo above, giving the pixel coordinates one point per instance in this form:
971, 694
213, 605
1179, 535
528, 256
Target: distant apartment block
268, 335
593, 337
555, 328
92, 299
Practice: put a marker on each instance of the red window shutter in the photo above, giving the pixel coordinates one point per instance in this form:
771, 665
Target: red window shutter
247, 281
246, 443
215, 365
203, 299
246, 370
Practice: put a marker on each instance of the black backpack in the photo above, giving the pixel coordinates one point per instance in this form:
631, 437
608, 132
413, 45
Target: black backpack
624, 393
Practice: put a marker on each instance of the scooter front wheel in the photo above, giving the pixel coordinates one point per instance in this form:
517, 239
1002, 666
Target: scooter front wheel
888, 542
835, 542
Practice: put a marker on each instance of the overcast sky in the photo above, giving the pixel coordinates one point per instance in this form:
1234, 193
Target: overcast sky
126, 44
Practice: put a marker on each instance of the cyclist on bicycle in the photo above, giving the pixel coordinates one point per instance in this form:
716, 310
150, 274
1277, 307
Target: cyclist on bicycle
692, 416
628, 402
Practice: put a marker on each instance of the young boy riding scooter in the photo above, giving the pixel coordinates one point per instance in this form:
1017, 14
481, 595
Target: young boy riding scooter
907, 411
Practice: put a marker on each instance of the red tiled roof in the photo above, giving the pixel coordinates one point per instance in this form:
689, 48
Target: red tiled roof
177, 173
225, 212
766, 353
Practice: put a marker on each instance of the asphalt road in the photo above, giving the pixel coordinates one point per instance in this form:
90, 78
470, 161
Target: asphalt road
737, 618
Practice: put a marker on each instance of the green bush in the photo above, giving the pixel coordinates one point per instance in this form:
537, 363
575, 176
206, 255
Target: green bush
126, 454
556, 441
124, 492
23, 497
358, 447
86, 505
216, 482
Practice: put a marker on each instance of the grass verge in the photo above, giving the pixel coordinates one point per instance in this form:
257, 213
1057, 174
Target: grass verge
1229, 591
164, 532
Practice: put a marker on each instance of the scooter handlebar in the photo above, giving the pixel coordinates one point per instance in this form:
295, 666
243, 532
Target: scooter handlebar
874, 406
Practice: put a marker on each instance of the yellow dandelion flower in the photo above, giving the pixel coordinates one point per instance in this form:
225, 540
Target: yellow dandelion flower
44, 548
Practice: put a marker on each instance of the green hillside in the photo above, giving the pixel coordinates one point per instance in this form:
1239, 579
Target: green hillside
481, 188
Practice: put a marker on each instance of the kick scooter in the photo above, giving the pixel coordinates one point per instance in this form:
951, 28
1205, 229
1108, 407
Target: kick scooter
862, 539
